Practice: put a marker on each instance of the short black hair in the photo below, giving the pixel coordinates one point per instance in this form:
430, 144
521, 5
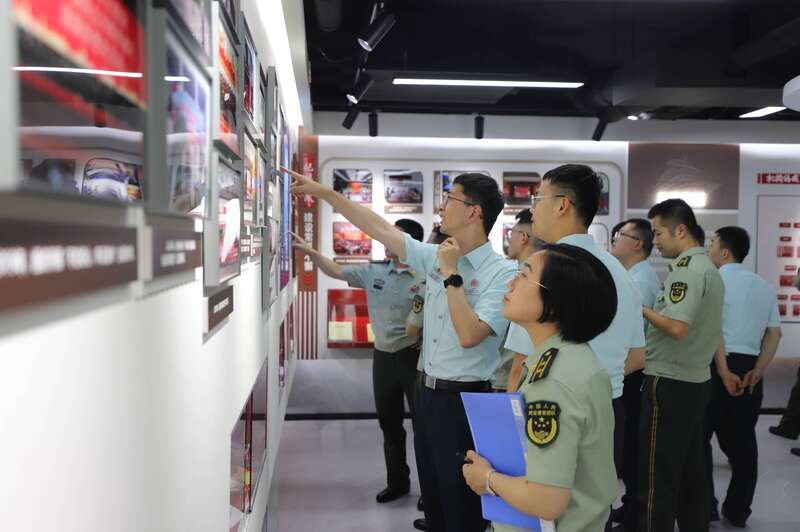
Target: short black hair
582, 185
412, 228
524, 217
734, 239
674, 212
581, 297
482, 190
617, 228
644, 232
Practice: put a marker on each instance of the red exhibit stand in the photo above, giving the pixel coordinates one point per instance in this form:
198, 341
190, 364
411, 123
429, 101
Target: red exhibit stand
348, 319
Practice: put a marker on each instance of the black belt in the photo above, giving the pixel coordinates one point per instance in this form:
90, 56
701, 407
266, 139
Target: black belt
454, 386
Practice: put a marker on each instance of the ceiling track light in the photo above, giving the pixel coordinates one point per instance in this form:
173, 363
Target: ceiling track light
352, 116
479, 121
377, 31
763, 112
599, 130
373, 124
361, 87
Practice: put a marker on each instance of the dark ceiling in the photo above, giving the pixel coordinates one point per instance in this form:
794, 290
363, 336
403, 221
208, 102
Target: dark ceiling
670, 59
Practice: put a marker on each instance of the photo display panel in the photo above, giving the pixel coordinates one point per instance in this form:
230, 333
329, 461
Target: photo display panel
403, 191
230, 192
250, 179
250, 80
188, 132
228, 68
195, 17
80, 74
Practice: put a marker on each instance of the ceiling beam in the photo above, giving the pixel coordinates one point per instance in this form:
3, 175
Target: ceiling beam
769, 46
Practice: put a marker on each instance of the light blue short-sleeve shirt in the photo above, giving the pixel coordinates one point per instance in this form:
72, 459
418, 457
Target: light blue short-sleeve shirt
646, 281
627, 328
518, 340
486, 276
750, 307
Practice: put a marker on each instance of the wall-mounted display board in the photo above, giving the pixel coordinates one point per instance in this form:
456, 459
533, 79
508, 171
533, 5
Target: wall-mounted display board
518, 187
194, 18
241, 467
287, 216
227, 62
249, 159
778, 253
403, 191
188, 132
507, 228
222, 233
710, 172
350, 244
244, 246
218, 306
261, 202
355, 185
80, 131
41, 262
229, 10
443, 182
250, 77
282, 357
605, 191
174, 251
348, 319
260, 105
259, 445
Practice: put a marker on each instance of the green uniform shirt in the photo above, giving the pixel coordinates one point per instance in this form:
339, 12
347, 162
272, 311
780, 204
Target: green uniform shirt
392, 296
570, 428
694, 294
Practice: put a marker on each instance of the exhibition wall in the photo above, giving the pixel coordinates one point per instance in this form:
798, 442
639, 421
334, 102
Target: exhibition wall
147, 310
339, 381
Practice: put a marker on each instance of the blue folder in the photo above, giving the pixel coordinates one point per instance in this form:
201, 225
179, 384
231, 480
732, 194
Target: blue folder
497, 423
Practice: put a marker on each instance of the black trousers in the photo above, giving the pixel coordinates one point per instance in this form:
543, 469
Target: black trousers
393, 377
619, 433
672, 479
632, 398
733, 420
442, 430
790, 421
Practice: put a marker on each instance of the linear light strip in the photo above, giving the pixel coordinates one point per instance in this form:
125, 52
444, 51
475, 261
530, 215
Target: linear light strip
763, 112
95, 72
488, 83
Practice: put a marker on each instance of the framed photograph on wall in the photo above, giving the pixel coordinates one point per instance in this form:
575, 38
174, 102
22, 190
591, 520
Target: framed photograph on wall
259, 442
188, 132
250, 73
262, 195
230, 219
227, 62
241, 477
350, 244
355, 185
194, 20
79, 136
403, 191
605, 199
443, 182
250, 162
518, 187
229, 12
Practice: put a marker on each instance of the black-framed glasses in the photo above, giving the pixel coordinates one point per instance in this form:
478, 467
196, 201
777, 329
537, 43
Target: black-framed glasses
620, 234
448, 197
535, 200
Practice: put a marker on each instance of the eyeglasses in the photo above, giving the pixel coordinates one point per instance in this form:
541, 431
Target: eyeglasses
620, 234
520, 276
448, 197
535, 200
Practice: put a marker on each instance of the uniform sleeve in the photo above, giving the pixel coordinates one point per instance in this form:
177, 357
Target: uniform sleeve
683, 292
774, 316
554, 459
420, 256
356, 276
518, 340
489, 307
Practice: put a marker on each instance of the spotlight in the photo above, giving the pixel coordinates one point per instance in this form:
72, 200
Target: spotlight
479, 127
361, 87
377, 31
373, 124
352, 116
599, 130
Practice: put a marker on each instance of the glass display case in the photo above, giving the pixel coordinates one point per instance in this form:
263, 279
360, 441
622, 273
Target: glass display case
348, 319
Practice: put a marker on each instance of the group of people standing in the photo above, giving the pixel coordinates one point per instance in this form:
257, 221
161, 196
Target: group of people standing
622, 376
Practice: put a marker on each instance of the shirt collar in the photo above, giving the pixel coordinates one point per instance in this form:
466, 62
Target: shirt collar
538, 350
478, 256
578, 239
395, 269
688, 253
732, 266
639, 265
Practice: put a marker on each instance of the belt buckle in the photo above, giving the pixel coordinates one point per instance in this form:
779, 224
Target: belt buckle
430, 382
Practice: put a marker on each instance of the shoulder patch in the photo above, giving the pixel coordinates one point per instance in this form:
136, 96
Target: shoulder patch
677, 292
542, 368
684, 262
417, 304
541, 422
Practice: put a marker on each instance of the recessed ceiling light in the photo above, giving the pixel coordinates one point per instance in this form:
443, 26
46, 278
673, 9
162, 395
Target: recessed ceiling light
763, 112
489, 83
633, 117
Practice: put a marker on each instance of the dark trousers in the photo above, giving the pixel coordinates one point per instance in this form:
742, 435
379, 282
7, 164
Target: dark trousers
632, 398
790, 421
672, 480
393, 376
442, 430
733, 419
619, 433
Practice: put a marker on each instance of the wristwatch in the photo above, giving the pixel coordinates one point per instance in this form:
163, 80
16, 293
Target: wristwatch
454, 280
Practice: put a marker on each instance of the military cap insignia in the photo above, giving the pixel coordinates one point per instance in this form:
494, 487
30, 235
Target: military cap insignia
542, 368
684, 262
541, 424
677, 292
417, 304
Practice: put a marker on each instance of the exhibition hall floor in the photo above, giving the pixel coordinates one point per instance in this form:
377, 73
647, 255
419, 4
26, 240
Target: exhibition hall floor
330, 471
